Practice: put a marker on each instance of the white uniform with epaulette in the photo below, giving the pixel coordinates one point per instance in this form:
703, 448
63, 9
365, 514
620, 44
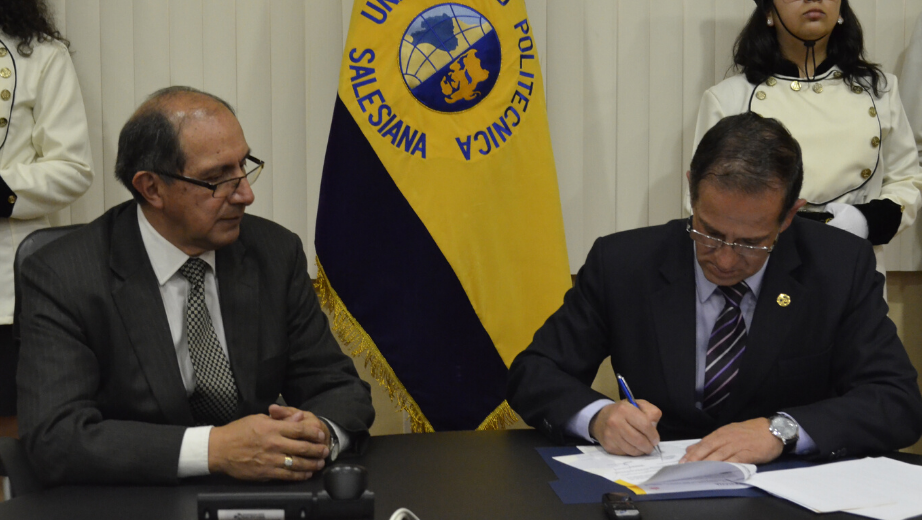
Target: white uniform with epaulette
45, 158
856, 147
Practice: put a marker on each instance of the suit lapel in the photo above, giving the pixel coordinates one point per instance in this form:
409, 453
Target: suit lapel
673, 311
771, 322
137, 297
238, 292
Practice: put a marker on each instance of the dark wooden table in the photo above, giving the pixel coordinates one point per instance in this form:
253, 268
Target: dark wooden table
439, 476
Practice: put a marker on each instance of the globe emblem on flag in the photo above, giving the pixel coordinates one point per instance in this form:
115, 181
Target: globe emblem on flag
450, 57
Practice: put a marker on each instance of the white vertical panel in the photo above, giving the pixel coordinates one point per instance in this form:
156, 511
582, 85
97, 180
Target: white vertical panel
665, 114
564, 84
699, 70
254, 88
219, 51
83, 31
185, 43
867, 15
730, 18
322, 40
118, 86
347, 6
58, 11
633, 124
910, 240
151, 19
289, 114
600, 111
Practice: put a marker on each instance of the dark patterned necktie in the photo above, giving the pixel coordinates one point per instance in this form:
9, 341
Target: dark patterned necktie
214, 401
725, 349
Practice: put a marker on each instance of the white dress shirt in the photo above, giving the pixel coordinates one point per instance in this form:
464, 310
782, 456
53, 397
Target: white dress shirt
166, 259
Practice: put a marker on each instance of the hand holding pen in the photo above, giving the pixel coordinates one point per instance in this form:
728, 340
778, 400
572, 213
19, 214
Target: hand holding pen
627, 427
630, 397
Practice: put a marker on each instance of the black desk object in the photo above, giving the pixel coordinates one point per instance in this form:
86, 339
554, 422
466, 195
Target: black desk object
439, 476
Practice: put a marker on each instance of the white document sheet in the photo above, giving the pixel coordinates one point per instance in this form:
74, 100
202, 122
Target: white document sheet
875, 487
655, 474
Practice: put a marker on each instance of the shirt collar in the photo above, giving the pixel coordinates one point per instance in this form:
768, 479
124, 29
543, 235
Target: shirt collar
165, 258
706, 288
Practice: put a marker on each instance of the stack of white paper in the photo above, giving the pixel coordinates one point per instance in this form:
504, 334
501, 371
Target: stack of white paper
874, 487
655, 474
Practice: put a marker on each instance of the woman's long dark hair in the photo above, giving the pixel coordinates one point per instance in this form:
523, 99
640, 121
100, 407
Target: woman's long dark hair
28, 20
757, 53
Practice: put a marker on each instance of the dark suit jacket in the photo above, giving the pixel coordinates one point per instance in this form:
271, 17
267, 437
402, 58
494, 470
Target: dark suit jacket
101, 398
831, 359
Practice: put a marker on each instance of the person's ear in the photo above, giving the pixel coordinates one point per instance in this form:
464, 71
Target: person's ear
800, 203
150, 186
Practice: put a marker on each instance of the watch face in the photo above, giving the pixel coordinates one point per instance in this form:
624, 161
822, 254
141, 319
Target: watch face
785, 427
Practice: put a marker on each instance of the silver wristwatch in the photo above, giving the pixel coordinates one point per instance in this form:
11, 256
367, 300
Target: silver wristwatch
785, 429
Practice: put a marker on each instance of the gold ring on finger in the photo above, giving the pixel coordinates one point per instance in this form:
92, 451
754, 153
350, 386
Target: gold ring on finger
289, 462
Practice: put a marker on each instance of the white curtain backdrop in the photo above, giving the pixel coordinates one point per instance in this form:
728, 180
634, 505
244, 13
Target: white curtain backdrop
623, 79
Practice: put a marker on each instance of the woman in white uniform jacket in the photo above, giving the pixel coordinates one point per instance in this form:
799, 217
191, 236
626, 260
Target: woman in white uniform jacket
45, 159
861, 167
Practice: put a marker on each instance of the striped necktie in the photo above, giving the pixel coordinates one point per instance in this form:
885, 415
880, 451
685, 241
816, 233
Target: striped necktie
725, 349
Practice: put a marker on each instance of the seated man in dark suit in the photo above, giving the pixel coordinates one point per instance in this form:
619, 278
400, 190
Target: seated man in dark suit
156, 338
757, 330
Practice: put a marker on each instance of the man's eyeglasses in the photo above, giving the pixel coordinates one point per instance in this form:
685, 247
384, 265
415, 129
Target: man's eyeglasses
716, 243
223, 189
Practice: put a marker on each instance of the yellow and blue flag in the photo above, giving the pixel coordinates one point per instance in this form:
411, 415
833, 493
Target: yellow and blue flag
440, 240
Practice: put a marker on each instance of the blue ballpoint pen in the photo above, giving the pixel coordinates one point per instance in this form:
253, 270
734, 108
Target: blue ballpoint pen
630, 398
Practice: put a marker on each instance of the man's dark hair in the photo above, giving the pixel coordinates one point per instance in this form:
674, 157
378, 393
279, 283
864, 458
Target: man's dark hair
757, 53
149, 141
28, 20
749, 153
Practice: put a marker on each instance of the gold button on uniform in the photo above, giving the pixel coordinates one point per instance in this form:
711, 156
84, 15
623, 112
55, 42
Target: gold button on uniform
857, 90
875, 141
865, 173
783, 300
12, 199
872, 111
5, 95
3, 122
837, 75
818, 88
760, 95
3, 52
795, 86
5, 72
771, 82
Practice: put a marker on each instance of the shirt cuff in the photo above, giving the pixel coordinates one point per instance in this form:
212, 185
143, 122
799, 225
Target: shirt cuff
578, 425
341, 435
805, 443
193, 453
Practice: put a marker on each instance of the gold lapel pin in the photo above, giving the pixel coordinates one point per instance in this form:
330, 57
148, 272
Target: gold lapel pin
783, 300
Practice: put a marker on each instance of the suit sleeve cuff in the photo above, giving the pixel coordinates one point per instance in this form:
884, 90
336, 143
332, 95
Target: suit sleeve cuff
578, 425
193, 453
884, 217
341, 435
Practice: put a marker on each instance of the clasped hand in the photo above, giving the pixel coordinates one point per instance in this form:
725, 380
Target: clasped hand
623, 429
256, 447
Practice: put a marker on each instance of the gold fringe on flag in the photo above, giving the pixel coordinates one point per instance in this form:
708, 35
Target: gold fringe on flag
353, 336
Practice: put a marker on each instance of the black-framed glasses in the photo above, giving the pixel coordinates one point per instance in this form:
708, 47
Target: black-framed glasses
715, 243
223, 189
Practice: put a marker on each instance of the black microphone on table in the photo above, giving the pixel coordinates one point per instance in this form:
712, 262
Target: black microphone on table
344, 497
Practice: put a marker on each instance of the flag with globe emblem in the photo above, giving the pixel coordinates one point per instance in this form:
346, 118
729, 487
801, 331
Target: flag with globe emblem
440, 241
